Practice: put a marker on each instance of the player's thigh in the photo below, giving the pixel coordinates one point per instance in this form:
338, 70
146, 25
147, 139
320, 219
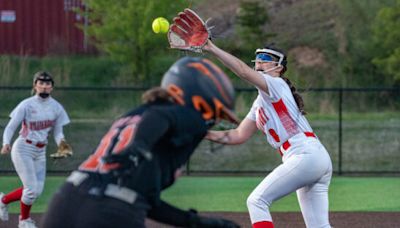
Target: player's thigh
283, 180
40, 171
24, 166
314, 202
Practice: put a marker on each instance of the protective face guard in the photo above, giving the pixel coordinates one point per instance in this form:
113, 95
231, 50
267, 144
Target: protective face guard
267, 51
264, 58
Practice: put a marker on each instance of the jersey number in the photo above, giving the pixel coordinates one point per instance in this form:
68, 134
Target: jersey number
115, 141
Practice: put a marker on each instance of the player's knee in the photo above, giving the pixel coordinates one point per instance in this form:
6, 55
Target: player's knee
251, 201
29, 196
255, 200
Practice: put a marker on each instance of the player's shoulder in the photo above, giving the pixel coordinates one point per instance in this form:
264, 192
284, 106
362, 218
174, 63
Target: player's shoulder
176, 113
53, 100
55, 103
277, 80
27, 101
274, 82
166, 109
152, 108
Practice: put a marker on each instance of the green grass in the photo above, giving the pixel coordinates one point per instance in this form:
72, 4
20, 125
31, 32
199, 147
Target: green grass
230, 193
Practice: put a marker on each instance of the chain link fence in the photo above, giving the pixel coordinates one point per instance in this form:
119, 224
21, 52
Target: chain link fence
359, 127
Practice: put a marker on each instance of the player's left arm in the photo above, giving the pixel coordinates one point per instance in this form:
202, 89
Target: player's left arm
237, 66
58, 134
60, 122
241, 134
171, 215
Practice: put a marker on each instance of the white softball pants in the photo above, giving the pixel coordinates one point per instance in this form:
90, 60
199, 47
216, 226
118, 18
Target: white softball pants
30, 163
306, 169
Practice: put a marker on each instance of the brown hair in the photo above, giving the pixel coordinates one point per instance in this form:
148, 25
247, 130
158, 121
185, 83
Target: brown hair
156, 94
296, 95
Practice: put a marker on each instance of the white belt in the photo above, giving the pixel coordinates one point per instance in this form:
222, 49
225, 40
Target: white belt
112, 190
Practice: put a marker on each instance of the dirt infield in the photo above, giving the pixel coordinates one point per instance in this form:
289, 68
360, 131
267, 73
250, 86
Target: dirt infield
283, 219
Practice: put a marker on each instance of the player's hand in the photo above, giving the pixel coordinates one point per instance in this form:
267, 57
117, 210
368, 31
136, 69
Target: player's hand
6, 149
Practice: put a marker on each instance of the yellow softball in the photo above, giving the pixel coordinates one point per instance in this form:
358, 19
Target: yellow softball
160, 25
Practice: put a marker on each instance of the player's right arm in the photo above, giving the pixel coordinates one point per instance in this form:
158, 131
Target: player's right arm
237, 66
8, 134
61, 121
6, 149
17, 117
241, 134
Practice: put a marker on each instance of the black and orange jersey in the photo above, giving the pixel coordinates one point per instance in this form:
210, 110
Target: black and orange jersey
170, 132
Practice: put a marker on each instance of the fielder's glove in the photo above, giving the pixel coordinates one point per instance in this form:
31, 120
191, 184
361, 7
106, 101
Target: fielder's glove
64, 150
188, 32
197, 221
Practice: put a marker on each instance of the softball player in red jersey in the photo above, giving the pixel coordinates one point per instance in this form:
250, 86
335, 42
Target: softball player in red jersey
38, 114
278, 112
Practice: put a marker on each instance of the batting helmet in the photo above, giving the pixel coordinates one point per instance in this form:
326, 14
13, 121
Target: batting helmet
43, 76
198, 83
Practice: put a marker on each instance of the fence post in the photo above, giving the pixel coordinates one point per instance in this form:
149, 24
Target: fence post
188, 167
340, 130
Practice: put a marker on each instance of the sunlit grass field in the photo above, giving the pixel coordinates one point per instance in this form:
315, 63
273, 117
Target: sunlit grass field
230, 193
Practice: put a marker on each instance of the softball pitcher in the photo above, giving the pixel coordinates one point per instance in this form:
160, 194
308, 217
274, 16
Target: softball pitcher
39, 115
278, 112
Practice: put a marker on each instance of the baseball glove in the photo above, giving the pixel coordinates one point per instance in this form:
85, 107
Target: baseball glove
64, 150
188, 32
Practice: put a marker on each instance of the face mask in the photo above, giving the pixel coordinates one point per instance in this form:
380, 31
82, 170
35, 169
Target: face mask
270, 69
44, 95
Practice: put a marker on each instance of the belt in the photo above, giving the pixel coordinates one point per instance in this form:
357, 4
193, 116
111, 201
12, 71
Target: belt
286, 145
111, 190
38, 145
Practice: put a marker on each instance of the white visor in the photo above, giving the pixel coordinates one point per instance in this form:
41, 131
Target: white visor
271, 52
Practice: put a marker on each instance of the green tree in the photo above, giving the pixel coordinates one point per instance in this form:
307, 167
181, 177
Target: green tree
251, 18
122, 29
386, 34
357, 18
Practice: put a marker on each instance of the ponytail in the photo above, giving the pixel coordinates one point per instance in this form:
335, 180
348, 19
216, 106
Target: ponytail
296, 95
156, 94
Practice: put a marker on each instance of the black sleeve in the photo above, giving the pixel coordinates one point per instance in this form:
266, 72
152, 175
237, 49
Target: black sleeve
153, 126
166, 213
171, 215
